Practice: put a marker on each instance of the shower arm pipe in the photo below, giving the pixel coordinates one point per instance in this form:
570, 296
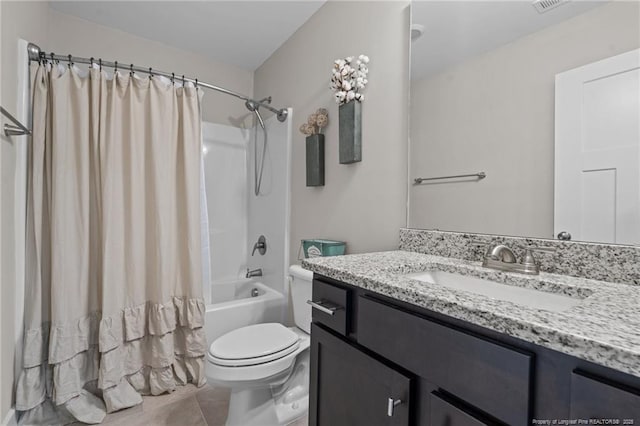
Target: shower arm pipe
36, 54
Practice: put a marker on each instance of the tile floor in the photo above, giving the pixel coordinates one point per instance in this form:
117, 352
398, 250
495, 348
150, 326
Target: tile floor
187, 406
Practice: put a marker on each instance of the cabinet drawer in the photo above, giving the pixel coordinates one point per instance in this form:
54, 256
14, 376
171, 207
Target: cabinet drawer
444, 413
330, 306
489, 376
596, 398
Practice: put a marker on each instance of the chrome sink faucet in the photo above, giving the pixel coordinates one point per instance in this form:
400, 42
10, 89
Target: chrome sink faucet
502, 258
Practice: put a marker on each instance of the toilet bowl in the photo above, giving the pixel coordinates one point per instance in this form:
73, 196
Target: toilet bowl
266, 365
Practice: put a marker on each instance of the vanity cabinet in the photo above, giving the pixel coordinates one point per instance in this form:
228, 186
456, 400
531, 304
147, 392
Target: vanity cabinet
447, 412
491, 377
372, 350
333, 305
350, 387
596, 397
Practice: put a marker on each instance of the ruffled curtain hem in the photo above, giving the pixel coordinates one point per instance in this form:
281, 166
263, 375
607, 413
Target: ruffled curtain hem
99, 365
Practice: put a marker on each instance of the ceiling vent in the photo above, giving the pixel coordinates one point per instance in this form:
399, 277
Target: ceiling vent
546, 5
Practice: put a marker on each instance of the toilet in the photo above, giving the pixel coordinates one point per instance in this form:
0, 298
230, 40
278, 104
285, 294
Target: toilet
267, 365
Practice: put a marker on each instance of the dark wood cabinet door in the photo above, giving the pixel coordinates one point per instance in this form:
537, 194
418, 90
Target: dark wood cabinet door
350, 388
597, 398
487, 375
447, 413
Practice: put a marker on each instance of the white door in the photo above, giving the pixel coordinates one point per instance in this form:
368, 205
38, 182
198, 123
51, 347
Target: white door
597, 151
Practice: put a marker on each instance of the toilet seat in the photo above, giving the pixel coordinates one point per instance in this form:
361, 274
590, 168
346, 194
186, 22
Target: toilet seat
243, 362
253, 345
256, 375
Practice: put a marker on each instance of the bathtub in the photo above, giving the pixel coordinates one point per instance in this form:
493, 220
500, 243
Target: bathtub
240, 303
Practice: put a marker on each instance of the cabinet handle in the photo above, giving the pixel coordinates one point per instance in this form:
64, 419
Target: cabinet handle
326, 309
391, 405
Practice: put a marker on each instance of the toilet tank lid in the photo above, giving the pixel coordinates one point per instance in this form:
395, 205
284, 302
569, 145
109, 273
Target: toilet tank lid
299, 272
253, 341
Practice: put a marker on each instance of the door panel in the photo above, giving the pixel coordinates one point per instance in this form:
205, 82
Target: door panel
445, 413
597, 398
492, 377
349, 387
597, 151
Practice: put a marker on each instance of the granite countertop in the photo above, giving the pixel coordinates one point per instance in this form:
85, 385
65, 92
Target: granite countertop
604, 328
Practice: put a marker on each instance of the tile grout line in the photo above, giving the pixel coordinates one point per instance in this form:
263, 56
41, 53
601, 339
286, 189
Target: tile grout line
204, 419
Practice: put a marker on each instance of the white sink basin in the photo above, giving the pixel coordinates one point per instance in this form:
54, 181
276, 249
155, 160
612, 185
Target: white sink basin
522, 296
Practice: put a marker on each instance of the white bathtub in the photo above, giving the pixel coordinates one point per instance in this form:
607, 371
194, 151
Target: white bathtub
233, 306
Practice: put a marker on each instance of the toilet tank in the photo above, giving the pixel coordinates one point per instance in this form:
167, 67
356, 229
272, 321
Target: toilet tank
301, 281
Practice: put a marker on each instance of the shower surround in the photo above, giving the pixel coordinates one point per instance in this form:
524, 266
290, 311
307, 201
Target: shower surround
237, 218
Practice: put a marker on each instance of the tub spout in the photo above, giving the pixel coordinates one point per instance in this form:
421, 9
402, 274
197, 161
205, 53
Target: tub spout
254, 273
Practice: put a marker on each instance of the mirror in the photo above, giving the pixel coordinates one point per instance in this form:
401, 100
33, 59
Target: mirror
483, 99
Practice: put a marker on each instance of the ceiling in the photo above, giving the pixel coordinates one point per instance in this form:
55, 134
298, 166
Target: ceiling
246, 33
458, 30
240, 33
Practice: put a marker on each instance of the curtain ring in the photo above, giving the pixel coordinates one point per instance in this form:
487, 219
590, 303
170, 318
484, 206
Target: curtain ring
183, 83
100, 62
52, 55
173, 76
91, 62
115, 69
131, 70
196, 86
70, 63
150, 73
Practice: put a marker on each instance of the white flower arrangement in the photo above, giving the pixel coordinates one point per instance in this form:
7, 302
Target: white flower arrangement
347, 81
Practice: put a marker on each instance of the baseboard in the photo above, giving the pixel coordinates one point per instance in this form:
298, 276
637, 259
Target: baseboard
10, 419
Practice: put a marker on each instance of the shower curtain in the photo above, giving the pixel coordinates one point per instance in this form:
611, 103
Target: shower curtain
114, 305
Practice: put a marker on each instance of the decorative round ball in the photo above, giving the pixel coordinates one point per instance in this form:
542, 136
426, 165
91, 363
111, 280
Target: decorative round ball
322, 120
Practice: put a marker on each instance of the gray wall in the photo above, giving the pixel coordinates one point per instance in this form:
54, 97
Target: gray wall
27, 20
495, 113
68, 34
364, 203
63, 34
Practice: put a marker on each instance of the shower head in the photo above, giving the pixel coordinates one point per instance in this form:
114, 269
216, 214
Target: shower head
252, 105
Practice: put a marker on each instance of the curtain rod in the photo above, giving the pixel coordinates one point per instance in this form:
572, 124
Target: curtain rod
36, 54
15, 129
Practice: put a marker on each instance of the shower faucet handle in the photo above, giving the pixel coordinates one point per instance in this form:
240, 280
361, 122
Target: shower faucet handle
260, 245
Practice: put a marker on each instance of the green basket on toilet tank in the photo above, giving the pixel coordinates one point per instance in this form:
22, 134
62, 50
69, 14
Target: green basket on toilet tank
319, 248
